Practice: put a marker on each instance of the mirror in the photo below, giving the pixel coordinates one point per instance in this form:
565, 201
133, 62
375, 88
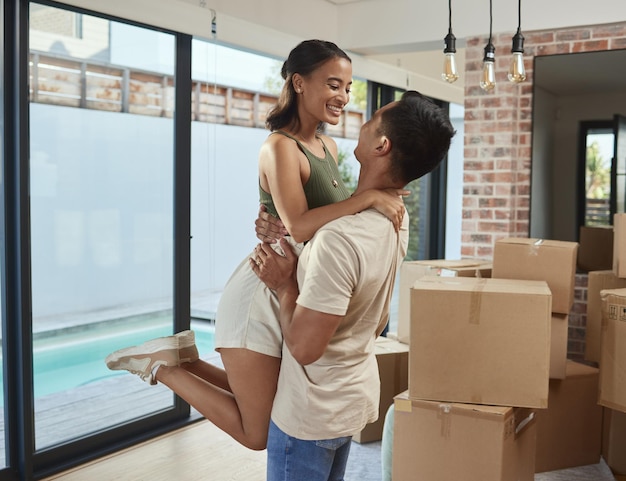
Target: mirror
569, 90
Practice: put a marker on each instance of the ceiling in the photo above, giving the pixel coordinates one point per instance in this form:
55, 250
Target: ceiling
582, 73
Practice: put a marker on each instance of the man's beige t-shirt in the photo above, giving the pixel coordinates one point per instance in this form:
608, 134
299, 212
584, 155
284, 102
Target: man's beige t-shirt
347, 269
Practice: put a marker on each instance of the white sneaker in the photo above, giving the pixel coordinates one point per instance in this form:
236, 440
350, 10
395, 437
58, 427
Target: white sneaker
143, 359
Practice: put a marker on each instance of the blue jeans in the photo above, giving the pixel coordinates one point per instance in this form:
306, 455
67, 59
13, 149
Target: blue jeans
292, 459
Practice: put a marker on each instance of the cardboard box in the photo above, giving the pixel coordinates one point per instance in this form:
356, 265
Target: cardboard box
558, 345
612, 392
393, 367
483, 341
614, 440
538, 259
597, 282
442, 442
569, 432
411, 271
595, 250
619, 245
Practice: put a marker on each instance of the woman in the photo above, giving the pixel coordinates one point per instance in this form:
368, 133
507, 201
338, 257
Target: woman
299, 182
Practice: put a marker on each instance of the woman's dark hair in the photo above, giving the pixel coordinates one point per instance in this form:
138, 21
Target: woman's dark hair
420, 133
304, 59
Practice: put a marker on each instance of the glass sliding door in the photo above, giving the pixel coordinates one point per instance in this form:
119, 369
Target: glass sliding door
102, 204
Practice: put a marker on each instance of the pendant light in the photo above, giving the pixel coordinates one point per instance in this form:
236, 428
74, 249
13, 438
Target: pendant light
517, 72
488, 76
450, 73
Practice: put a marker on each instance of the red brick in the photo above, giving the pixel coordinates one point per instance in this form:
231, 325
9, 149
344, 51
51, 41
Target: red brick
590, 46
572, 35
611, 31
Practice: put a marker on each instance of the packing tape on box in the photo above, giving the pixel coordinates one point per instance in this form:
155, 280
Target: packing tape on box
446, 421
403, 405
534, 248
524, 422
475, 299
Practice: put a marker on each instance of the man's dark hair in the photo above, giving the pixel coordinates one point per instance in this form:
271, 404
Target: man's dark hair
420, 133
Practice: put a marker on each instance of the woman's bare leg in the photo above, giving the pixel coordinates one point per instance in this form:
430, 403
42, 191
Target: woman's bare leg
209, 372
244, 411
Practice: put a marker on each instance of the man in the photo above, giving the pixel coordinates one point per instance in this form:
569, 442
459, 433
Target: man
334, 300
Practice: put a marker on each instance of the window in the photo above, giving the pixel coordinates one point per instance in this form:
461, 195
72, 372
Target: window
599, 140
602, 171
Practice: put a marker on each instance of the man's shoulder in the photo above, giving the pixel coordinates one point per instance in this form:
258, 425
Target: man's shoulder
356, 228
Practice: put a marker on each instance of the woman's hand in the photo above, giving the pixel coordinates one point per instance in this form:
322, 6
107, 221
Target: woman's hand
275, 270
389, 203
268, 228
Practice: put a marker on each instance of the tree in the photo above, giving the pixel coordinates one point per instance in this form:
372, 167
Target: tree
358, 94
598, 173
345, 170
273, 82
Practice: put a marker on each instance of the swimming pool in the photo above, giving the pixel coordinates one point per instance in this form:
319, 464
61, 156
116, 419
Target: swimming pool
76, 358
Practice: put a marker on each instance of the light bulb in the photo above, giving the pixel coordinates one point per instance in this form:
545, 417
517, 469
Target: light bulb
517, 72
488, 76
450, 73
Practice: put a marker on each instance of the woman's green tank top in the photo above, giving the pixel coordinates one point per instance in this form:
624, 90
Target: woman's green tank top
324, 185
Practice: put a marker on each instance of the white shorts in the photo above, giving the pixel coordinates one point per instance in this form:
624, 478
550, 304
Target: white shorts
247, 313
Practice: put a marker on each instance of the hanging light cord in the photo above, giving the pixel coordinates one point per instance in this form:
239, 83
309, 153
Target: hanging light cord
519, 15
450, 16
490, 19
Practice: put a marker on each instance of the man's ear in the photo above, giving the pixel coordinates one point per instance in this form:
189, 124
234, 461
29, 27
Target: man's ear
384, 145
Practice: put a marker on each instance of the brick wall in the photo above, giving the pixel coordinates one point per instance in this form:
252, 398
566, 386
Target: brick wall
497, 146
578, 320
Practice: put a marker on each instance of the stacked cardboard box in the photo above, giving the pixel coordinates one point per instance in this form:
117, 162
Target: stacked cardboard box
411, 271
569, 432
486, 355
478, 364
612, 393
551, 261
597, 282
437, 441
612, 354
483, 341
614, 440
595, 250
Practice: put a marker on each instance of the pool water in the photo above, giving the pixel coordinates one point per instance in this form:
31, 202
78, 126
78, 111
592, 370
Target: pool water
75, 359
